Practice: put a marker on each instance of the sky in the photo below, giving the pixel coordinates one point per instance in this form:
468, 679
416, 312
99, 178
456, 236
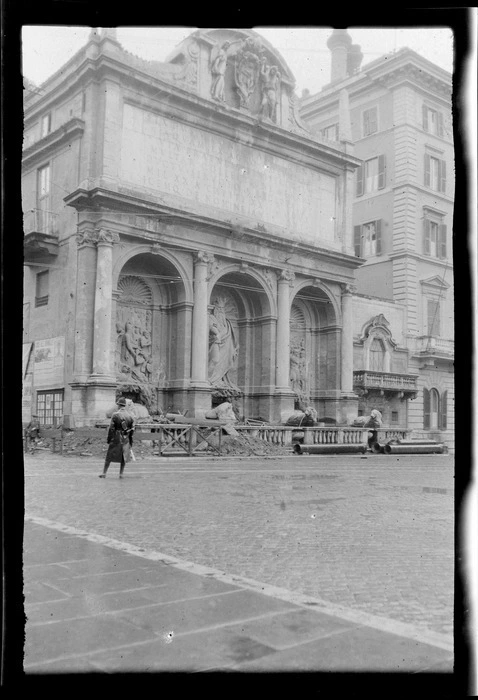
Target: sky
46, 48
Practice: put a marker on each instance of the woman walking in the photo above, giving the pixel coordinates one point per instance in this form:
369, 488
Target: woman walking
120, 438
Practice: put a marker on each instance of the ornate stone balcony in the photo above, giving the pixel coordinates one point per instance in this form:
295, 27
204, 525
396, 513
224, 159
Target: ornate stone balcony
366, 381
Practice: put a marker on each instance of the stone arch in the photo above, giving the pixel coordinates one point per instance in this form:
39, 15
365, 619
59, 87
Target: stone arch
266, 279
315, 346
183, 270
249, 330
153, 317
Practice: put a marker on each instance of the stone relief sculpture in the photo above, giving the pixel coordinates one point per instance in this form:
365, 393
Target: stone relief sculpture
134, 348
218, 70
298, 369
246, 71
270, 77
223, 346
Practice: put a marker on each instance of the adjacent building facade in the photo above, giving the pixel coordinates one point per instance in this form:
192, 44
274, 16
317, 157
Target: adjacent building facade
187, 240
401, 127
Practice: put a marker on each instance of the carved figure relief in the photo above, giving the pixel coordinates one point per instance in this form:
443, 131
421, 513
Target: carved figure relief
247, 67
134, 351
298, 356
218, 70
270, 82
223, 345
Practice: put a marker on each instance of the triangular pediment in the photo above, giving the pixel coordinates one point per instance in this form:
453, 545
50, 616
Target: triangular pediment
435, 282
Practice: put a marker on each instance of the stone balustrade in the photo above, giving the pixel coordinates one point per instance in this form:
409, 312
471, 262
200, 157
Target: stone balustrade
385, 380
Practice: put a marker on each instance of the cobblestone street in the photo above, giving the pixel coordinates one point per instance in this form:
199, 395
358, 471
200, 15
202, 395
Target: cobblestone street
369, 535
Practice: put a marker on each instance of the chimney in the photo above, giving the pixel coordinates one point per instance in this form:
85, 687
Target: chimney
339, 43
354, 59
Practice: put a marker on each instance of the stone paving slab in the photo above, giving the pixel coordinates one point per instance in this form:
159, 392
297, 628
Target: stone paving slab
209, 625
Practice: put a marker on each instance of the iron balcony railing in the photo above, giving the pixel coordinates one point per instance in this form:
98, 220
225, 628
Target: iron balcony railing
40, 221
430, 343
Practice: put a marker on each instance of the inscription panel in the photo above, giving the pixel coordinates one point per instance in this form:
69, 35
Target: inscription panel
163, 155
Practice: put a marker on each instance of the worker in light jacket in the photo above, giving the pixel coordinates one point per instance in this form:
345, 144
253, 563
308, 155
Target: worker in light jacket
373, 424
120, 438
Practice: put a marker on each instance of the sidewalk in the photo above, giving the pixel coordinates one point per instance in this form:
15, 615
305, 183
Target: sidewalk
92, 608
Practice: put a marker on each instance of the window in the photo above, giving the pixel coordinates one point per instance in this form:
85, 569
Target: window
435, 173
367, 239
330, 133
45, 125
370, 122
394, 416
42, 288
434, 409
432, 121
43, 199
433, 317
371, 176
434, 238
377, 353
50, 407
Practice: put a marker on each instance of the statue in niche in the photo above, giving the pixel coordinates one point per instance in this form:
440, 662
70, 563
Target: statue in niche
223, 346
218, 70
247, 69
270, 77
298, 369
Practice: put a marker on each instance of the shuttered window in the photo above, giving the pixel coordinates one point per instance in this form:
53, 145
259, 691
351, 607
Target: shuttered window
370, 121
434, 239
426, 409
443, 410
370, 176
435, 173
435, 409
432, 121
368, 239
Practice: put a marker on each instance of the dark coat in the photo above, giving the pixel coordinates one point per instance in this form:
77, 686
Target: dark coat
120, 437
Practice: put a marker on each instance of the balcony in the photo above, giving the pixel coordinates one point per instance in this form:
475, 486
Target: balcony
40, 243
429, 348
405, 385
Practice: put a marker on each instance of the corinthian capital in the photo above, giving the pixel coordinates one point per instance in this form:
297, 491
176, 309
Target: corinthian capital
204, 257
87, 237
348, 288
109, 237
287, 276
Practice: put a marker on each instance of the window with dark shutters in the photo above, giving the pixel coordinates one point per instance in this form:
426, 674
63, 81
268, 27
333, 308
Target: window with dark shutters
443, 410
357, 242
378, 236
425, 117
426, 409
381, 172
442, 175
426, 237
359, 188
427, 170
442, 241
440, 124
370, 123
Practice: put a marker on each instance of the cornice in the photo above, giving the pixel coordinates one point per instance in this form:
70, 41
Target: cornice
43, 148
99, 199
218, 119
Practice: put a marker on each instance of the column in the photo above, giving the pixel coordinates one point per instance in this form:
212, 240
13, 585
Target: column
200, 335
103, 313
347, 348
85, 304
284, 284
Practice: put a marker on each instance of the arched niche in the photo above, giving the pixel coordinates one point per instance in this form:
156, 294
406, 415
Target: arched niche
240, 318
314, 343
152, 326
